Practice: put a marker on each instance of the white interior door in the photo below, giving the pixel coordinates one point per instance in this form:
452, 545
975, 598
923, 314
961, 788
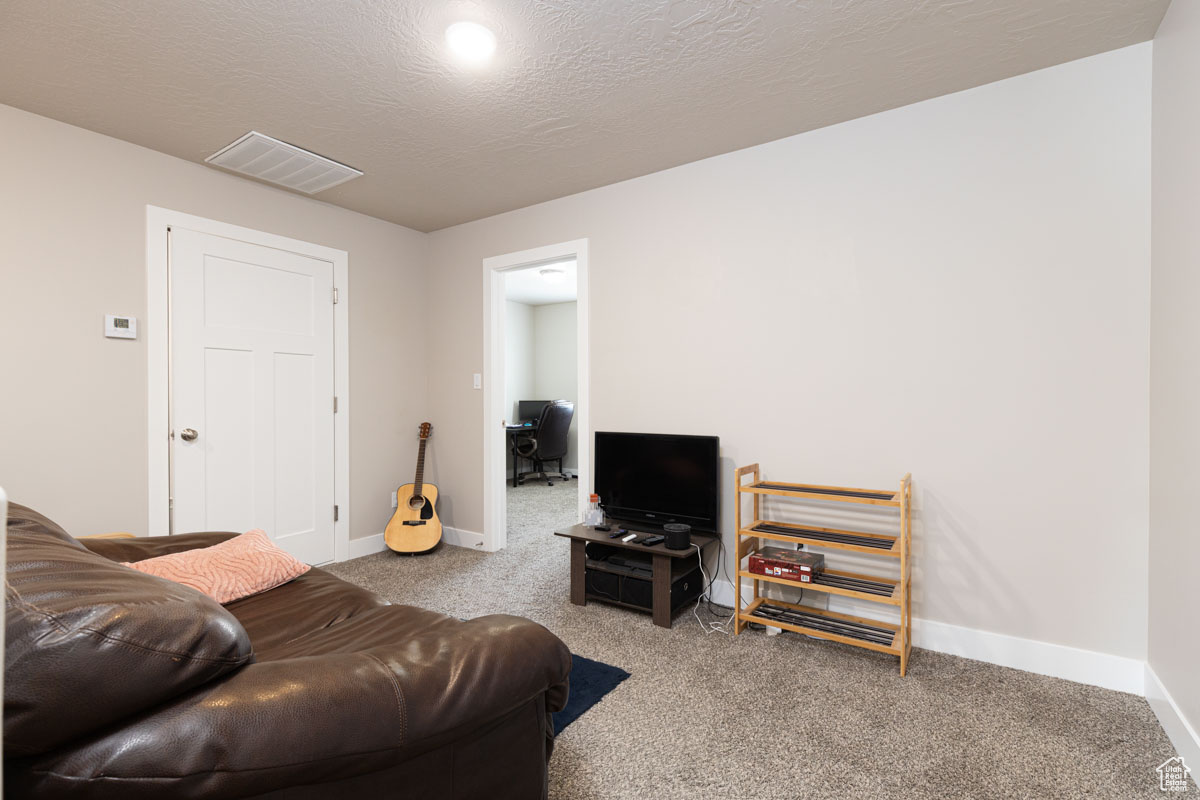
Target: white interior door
252, 376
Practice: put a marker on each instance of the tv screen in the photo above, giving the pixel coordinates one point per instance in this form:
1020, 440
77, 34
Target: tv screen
659, 478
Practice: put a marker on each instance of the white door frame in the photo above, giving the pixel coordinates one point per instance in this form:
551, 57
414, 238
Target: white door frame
495, 528
158, 221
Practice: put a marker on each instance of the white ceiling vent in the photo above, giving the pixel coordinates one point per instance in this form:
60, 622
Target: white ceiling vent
278, 162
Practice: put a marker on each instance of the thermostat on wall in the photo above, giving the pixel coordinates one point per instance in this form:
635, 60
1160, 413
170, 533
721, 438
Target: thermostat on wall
116, 327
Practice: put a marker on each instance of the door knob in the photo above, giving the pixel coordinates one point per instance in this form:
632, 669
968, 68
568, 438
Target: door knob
188, 434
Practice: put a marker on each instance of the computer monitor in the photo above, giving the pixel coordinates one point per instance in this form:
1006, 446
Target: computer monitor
530, 410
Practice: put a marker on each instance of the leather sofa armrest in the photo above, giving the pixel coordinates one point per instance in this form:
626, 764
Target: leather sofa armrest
139, 548
319, 718
455, 677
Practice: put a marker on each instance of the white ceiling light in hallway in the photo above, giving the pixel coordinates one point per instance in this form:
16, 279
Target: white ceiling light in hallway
533, 286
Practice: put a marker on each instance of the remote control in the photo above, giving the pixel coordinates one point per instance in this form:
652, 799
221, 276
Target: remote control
653, 540
603, 528
630, 537
618, 533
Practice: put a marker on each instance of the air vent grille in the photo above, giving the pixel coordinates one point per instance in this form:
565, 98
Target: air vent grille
281, 163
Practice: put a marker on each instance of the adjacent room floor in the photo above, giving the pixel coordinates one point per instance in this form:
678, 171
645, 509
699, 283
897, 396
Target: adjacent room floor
707, 715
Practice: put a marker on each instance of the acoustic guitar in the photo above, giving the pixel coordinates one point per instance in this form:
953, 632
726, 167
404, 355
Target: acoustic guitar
415, 527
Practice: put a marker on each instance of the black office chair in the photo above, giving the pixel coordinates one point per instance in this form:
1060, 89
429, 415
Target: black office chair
548, 442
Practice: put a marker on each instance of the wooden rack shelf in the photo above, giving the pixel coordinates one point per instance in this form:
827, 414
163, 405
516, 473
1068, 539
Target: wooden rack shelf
832, 581
845, 628
872, 634
873, 543
841, 494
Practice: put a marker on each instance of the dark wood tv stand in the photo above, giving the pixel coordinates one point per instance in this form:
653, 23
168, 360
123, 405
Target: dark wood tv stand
663, 561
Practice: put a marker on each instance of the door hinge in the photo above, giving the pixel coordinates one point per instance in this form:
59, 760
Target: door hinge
335, 296
335, 404
335, 513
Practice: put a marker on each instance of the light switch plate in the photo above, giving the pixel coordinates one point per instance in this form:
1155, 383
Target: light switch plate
117, 326
477, 380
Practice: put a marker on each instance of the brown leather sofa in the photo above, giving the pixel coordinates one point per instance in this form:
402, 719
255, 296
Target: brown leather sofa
123, 685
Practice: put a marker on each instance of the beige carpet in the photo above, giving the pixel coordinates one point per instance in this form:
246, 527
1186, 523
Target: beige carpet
713, 717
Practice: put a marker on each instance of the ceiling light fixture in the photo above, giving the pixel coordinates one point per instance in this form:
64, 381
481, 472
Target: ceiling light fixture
470, 41
552, 274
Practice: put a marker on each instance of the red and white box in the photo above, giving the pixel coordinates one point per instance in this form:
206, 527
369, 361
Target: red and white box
792, 565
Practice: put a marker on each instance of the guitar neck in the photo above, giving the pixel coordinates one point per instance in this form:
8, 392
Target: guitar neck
419, 480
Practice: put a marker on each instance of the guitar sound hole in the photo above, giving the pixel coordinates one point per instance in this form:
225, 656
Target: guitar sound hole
416, 502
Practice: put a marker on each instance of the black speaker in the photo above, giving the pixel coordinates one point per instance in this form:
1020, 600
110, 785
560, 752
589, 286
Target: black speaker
679, 536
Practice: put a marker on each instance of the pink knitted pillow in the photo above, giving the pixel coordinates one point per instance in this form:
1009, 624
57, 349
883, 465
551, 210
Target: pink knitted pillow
235, 568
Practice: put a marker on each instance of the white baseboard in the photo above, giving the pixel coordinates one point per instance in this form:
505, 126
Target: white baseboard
1044, 658
460, 538
366, 546
375, 544
1056, 660
1181, 733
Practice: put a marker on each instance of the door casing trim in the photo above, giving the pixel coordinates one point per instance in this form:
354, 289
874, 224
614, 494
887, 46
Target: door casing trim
495, 528
155, 330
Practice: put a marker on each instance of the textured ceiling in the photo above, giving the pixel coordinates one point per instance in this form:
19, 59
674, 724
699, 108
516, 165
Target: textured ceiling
581, 93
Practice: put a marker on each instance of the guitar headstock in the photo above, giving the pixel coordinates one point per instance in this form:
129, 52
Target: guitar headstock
426, 430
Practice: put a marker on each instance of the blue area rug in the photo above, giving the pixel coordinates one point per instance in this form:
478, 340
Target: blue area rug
590, 681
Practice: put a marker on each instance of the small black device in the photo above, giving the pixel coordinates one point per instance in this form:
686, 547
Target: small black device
640, 540
618, 532
624, 559
653, 540
604, 527
678, 535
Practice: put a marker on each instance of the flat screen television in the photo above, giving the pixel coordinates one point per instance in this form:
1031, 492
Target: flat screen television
655, 478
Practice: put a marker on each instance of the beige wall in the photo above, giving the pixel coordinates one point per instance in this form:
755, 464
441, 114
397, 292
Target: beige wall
959, 288
518, 356
518, 363
1174, 364
73, 404
556, 362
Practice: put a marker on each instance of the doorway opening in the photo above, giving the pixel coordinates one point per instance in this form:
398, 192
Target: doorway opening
536, 440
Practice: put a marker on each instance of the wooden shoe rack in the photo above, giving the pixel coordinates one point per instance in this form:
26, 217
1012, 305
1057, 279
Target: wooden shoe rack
857, 631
